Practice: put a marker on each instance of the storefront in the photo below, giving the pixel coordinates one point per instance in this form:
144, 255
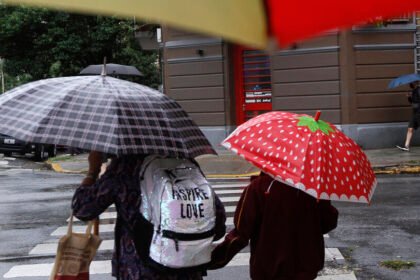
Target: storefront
344, 74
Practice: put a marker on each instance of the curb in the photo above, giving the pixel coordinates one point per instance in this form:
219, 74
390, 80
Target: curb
404, 169
56, 167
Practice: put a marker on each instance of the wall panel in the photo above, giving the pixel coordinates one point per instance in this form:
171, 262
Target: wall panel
379, 58
194, 75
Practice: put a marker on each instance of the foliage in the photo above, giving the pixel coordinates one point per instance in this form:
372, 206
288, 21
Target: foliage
398, 264
314, 125
39, 43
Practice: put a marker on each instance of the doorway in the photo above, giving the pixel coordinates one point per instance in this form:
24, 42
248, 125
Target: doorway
252, 83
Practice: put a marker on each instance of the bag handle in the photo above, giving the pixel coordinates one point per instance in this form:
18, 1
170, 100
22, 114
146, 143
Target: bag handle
89, 227
70, 226
91, 224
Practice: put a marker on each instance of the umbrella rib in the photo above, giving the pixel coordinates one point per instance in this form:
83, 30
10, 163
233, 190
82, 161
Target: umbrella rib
54, 107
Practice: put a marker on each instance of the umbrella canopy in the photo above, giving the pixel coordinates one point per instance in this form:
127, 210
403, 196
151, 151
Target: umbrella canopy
243, 21
103, 114
403, 80
305, 153
111, 69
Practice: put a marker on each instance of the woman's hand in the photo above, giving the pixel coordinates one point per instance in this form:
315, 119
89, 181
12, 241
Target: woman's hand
95, 162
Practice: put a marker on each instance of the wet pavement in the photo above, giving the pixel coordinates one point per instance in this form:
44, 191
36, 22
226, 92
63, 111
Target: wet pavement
35, 202
227, 164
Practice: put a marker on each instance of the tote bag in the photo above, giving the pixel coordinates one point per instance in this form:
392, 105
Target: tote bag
74, 254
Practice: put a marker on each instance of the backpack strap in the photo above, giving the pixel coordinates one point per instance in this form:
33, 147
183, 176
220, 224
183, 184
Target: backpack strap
146, 162
199, 167
144, 183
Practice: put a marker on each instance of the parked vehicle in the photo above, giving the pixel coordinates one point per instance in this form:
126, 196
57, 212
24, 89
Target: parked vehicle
9, 145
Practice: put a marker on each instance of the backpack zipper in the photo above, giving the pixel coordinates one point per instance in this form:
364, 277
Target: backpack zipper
176, 236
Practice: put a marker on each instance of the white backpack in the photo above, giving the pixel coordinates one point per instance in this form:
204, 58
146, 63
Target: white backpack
180, 203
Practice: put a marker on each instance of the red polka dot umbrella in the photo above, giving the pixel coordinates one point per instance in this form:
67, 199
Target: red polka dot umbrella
305, 153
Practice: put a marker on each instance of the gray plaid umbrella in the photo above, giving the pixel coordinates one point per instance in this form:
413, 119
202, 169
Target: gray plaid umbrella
103, 114
111, 69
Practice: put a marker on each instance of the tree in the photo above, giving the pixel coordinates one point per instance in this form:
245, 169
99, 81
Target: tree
39, 43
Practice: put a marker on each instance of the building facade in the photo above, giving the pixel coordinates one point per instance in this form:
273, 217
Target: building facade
344, 74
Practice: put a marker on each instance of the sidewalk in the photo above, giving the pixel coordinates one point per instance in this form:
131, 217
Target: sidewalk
228, 165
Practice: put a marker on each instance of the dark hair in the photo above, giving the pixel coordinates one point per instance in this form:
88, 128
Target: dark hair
127, 164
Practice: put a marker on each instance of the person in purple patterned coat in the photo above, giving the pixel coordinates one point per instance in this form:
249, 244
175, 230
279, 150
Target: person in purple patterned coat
119, 185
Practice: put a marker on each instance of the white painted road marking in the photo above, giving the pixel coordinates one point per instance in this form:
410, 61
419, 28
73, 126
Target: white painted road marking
229, 185
331, 254
103, 216
219, 192
51, 248
225, 199
44, 269
334, 254
345, 276
229, 209
82, 229
104, 267
113, 215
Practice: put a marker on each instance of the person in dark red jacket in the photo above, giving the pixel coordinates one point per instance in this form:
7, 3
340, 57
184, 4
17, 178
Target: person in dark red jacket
285, 227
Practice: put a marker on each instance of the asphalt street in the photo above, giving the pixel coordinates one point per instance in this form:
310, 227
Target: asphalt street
388, 229
35, 202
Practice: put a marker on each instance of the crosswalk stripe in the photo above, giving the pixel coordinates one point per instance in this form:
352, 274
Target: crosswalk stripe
241, 259
230, 209
103, 216
44, 269
224, 186
229, 198
110, 228
344, 276
16, 171
113, 214
219, 192
331, 254
51, 248
81, 229
334, 254
102, 267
